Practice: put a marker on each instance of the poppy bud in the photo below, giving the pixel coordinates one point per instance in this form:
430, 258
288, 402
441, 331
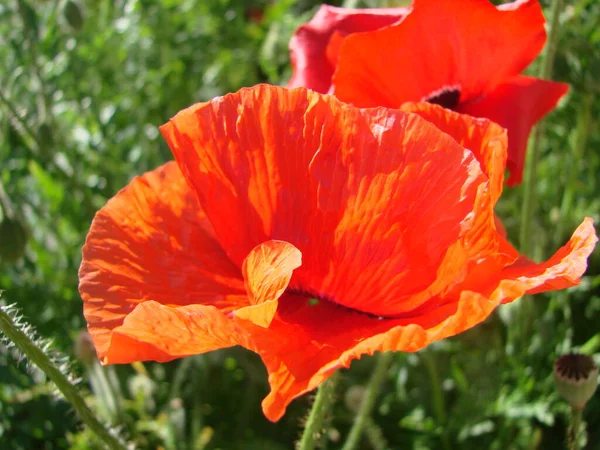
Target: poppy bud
13, 239
73, 15
576, 378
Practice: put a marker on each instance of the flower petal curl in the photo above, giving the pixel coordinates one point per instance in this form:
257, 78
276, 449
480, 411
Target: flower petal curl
267, 272
157, 332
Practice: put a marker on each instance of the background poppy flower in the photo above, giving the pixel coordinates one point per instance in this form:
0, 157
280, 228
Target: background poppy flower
465, 55
311, 232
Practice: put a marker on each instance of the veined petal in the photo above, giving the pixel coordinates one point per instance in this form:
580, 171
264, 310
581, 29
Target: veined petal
308, 46
372, 198
267, 272
564, 269
486, 139
484, 243
157, 332
152, 242
308, 342
469, 45
517, 104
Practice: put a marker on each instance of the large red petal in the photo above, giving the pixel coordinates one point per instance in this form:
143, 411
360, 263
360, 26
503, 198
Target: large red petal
309, 43
308, 342
470, 44
152, 242
247, 156
483, 247
517, 104
372, 198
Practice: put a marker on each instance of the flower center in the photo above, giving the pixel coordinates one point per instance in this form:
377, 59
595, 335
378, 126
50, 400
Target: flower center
313, 299
447, 97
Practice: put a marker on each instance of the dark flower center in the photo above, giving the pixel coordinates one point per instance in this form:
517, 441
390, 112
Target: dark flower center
574, 366
447, 97
313, 299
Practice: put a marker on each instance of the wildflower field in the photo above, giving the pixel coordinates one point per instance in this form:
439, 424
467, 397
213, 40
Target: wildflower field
269, 225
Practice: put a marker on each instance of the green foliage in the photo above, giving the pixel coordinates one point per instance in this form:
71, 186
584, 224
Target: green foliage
83, 88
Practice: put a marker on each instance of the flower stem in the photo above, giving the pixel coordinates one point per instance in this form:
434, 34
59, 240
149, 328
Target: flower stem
533, 151
371, 393
375, 436
314, 423
40, 359
437, 396
575, 428
582, 131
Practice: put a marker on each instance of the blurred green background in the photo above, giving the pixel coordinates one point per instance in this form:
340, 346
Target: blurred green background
83, 87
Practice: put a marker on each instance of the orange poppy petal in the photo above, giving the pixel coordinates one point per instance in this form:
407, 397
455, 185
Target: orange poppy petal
564, 269
157, 332
470, 45
246, 155
308, 342
486, 139
308, 46
383, 174
267, 272
484, 244
152, 242
517, 104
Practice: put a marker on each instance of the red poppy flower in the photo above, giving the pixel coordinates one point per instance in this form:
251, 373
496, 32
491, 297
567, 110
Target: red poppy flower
311, 232
465, 55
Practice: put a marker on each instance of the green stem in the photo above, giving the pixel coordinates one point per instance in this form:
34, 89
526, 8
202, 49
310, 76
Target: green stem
314, 423
526, 309
368, 401
533, 151
584, 117
103, 391
40, 359
375, 436
437, 396
575, 428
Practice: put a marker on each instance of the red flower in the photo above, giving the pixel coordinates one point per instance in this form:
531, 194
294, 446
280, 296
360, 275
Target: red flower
465, 55
311, 232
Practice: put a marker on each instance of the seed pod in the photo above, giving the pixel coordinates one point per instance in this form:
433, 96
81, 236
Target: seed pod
73, 15
576, 378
